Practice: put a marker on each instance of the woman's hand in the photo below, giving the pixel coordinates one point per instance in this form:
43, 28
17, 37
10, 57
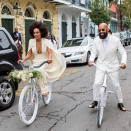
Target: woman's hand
49, 55
20, 61
49, 61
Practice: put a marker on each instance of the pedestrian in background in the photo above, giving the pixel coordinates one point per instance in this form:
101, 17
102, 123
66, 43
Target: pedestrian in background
16, 33
53, 40
19, 46
48, 36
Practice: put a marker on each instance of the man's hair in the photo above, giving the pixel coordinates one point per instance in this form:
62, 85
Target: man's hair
41, 26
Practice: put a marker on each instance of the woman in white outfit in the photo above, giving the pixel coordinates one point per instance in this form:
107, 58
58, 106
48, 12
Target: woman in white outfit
41, 49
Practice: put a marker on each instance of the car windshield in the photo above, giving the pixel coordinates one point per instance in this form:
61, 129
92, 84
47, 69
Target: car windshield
70, 43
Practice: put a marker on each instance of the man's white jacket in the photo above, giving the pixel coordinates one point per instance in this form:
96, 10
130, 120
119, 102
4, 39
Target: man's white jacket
108, 57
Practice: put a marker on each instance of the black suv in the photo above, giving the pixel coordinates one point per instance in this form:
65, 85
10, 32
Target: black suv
8, 62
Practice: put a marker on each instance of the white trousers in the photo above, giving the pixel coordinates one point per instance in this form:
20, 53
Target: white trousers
99, 78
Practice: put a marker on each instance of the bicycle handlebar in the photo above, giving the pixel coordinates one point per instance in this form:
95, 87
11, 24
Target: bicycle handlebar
23, 65
33, 66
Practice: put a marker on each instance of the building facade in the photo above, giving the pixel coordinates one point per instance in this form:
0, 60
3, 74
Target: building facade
114, 18
71, 23
63, 17
22, 13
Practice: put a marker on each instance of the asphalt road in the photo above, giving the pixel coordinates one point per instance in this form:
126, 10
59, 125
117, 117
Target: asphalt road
68, 109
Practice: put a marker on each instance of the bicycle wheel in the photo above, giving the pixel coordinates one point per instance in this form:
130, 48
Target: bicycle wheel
100, 115
28, 105
101, 107
46, 99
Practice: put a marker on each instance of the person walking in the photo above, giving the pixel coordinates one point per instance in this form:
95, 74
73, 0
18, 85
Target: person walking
105, 48
41, 49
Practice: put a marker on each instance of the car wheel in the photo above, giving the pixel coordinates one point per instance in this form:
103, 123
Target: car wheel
7, 93
88, 57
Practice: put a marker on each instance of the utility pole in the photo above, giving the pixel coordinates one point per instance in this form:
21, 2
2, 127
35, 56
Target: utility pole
120, 17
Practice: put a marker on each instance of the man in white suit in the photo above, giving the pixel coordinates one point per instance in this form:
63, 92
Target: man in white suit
105, 48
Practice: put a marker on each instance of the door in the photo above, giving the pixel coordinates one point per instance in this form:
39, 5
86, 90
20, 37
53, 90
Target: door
8, 24
48, 23
73, 29
27, 35
64, 32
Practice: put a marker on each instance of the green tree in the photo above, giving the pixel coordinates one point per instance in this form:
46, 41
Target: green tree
126, 5
99, 12
127, 23
124, 12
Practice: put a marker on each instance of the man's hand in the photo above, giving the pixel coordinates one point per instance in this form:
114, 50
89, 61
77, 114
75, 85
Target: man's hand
90, 63
123, 66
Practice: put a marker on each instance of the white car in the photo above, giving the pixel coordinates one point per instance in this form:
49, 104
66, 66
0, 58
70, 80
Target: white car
77, 50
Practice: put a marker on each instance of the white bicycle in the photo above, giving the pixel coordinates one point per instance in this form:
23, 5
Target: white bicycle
103, 97
29, 99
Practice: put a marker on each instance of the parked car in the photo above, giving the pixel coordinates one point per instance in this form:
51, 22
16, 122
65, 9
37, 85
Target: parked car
77, 50
8, 62
121, 36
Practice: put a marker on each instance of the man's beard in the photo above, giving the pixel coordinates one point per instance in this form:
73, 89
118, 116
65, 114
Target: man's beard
103, 36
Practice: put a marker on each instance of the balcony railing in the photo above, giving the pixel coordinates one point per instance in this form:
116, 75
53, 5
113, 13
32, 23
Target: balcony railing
83, 3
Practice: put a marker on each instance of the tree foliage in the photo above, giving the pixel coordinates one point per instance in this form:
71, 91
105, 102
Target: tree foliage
99, 12
127, 23
126, 5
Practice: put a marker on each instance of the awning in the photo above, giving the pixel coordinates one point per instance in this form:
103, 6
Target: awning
67, 4
79, 8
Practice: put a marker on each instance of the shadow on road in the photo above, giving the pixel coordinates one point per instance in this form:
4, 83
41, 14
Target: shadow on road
76, 65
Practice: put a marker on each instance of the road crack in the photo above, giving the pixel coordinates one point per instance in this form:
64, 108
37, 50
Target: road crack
67, 113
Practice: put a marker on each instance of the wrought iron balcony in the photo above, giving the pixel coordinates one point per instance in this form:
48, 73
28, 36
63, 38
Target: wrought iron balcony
83, 3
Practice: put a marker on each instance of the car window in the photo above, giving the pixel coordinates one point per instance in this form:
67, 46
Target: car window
70, 43
67, 43
4, 42
86, 41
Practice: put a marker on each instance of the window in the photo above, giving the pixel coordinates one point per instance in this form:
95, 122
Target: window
5, 10
4, 42
28, 13
71, 43
46, 15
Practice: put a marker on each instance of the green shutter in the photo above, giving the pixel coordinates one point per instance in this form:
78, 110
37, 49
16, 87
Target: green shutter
64, 32
73, 29
8, 24
27, 35
48, 23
